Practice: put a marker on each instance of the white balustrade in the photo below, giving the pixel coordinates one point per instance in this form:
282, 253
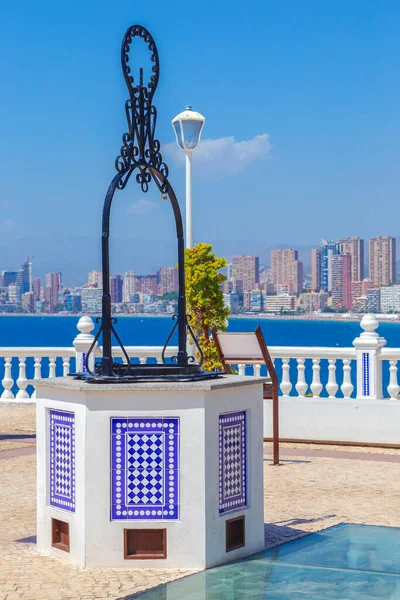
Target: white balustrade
332, 386
7, 382
369, 349
22, 381
393, 387
346, 387
316, 385
286, 386
301, 385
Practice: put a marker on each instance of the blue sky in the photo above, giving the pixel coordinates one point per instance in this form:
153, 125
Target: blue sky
311, 87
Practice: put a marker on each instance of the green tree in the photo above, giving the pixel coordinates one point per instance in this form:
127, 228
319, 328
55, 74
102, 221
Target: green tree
205, 300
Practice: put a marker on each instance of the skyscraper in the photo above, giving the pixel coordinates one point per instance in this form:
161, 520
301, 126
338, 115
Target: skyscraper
286, 268
26, 276
328, 250
246, 269
316, 269
53, 283
382, 260
36, 288
116, 289
95, 279
169, 280
128, 286
355, 247
341, 281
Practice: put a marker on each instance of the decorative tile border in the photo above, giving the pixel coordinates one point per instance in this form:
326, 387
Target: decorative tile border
365, 357
145, 468
232, 462
62, 460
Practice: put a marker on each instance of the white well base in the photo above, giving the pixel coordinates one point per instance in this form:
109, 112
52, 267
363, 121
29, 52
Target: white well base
197, 539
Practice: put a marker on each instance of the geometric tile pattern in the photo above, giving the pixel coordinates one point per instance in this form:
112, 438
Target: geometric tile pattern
232, 462
62, 460
365, 373
145, 468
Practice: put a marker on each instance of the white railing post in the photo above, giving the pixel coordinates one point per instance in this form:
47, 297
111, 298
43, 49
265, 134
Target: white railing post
301, 385
316, 385
82, 343
332, 386
286, 386
8, 381
22, 381
242, 370
369, 365
347, 387
393, 387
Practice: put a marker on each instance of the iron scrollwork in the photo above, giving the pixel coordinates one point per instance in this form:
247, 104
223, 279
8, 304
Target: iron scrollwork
141, 152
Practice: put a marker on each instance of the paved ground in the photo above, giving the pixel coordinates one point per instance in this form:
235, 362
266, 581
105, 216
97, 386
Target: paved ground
315, 487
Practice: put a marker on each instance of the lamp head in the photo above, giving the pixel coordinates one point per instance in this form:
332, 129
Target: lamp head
188, 126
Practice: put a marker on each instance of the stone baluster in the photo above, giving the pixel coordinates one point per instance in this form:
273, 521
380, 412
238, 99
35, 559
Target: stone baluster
65, 366
37, 368
82, 344
286, 386
52, 366
22, 381
257, 370
393, 387
316, 385
332, 387
8, 381
301, 385
347, 387
369, 364
242, 369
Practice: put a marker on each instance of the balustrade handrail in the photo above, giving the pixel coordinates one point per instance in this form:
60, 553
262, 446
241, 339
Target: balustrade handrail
310, 352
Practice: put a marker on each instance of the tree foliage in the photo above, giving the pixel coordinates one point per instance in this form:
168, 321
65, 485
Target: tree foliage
205, 300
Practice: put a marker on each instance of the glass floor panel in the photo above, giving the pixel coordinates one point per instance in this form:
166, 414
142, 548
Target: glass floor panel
346, 562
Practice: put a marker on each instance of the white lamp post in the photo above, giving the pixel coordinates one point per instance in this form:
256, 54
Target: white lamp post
188, 126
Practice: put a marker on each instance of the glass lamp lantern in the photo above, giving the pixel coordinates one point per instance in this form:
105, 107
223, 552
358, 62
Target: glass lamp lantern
188, 126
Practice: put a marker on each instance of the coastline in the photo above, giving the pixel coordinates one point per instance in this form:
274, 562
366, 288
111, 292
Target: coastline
327, 317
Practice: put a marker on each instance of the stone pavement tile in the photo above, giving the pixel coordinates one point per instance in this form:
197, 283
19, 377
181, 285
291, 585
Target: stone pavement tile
301, 496
17, 418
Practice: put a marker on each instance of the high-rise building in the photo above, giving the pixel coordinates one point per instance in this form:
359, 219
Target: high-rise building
9, 278
116, 289
285, 267
328, 250
316, 269
28, 302
128, 287
245, 269
36, 288
92, 300
26, 283
390, 298
382, 260
95, 279
146, 284
355, 247
53, 282
169, 280
341, 281
373, 303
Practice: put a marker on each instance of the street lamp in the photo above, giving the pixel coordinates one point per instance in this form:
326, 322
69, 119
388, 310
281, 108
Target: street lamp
188, 126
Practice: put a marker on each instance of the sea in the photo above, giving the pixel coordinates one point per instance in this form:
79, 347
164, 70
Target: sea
154, 331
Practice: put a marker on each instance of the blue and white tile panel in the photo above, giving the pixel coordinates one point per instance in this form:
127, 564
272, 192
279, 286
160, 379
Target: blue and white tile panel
366, 383
145, 469
232, 462
62, 460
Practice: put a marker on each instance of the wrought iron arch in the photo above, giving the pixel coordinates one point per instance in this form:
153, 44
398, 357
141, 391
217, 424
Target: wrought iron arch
141, 152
